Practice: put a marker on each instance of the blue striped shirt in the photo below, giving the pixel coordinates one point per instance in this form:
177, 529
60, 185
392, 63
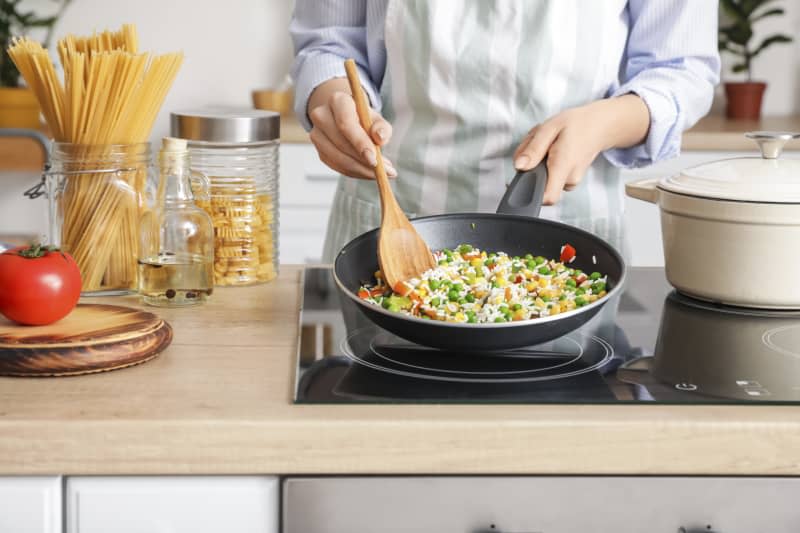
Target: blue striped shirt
671, 61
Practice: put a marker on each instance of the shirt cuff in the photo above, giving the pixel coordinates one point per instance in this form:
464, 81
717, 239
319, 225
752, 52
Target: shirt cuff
316, 69
663, 139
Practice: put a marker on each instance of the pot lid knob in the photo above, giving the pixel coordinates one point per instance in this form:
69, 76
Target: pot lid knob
771, 142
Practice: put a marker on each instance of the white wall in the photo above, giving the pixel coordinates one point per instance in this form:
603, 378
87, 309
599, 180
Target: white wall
231, 47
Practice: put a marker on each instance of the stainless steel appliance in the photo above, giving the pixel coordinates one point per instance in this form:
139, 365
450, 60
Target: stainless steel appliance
652, 345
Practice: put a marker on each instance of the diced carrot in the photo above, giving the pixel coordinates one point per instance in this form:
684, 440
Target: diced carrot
363, 294
402, 288
508, 294
567, 253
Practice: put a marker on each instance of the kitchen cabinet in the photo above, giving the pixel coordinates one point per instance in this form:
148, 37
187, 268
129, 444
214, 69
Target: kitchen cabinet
30, 504
196, 504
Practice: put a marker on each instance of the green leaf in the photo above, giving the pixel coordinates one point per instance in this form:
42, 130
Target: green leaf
739, 67
737, 33
769, 13
769, 41
733, 9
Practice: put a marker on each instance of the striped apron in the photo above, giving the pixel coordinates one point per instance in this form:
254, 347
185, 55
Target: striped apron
465, 81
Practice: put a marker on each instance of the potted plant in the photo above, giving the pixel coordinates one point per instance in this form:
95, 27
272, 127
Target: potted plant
18, 105
744, 98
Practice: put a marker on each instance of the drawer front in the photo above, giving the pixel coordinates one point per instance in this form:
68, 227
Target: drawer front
302, 234
540, 504
305, 180
193, 504
30, 504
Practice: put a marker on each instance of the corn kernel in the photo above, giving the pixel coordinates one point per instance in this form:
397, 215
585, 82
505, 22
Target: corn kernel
543, 283
477, 262
502, 282
460, 317
519, 315
530, 287
539, 302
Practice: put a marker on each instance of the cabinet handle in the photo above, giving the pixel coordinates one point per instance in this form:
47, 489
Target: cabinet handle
706, 529
322, 177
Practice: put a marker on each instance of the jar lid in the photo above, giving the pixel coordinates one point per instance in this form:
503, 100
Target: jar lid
765, 179
226, 125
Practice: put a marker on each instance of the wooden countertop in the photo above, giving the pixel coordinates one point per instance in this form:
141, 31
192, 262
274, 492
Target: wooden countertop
712, 133
218, 401
715, 132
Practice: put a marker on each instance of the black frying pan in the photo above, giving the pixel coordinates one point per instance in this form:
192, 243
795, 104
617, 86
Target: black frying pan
509, 231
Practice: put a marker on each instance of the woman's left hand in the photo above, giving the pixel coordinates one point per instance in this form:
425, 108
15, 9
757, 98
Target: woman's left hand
573, 138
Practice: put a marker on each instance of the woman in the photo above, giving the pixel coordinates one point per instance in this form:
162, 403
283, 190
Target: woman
463, 92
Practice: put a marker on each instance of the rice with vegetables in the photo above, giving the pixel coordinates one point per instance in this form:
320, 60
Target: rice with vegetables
473, 286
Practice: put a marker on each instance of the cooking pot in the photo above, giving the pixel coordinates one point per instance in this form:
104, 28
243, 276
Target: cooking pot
731, 228
723, 353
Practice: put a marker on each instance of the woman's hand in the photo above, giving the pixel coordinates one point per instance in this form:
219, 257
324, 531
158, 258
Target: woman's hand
340, 140
573, 138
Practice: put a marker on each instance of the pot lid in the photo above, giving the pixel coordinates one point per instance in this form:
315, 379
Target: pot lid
226, 125
765, 179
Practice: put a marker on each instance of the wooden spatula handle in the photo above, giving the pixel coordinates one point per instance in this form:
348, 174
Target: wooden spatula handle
362, 108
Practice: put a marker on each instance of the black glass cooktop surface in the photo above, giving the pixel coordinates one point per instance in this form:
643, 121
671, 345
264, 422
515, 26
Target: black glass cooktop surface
651, 344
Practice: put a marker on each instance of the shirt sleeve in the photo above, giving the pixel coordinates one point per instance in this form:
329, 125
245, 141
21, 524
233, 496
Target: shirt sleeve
325, 33
672, 63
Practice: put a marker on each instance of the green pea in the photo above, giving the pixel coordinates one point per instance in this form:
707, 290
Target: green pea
580, 291
544, 271
489, 262
516, 307
465, 248
443, 262
540, 260
529, 257
495, 285
492, 255
516, 258
470, 298
503, 308
385, 303
580, 301
531, 264
571, 283
516, 268
500, 319
452, 295
435, 302
545, 298
562, 297
595, 276
462, 301
457, 286
434, 284
598, 287
471, 318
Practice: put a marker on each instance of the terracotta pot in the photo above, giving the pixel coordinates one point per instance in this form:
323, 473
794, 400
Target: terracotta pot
18, 108
744, 99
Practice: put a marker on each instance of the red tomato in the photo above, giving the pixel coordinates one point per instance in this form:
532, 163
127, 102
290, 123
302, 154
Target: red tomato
567, 253
38, 285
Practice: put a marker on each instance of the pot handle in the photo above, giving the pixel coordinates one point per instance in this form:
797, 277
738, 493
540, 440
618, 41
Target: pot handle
644, 190
525, 192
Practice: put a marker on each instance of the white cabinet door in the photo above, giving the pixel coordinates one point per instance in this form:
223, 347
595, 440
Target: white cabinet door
30, 504
191, 504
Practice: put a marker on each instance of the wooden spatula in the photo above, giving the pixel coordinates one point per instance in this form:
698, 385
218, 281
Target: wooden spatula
402, 254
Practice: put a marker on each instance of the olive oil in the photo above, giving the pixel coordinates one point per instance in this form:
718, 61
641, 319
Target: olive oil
169, 281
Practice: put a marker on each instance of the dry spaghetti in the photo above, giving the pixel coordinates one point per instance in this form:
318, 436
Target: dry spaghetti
100, 115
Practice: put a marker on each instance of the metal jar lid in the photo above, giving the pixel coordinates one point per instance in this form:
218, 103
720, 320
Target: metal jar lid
226, 125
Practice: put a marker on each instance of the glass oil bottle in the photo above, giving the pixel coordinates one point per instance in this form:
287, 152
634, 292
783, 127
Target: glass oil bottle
176, 244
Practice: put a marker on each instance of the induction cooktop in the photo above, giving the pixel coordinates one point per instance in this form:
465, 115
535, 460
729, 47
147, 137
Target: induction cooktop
650, 344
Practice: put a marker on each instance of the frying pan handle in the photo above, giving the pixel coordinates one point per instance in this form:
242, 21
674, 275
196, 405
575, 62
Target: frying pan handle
524, 195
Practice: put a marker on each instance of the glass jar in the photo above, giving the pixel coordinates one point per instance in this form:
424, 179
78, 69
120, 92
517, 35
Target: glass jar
96, 198
238, 152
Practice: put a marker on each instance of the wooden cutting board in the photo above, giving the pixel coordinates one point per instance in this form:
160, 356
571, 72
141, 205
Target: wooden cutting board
93, 338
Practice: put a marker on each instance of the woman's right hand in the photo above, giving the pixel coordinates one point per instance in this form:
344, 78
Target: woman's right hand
337, 134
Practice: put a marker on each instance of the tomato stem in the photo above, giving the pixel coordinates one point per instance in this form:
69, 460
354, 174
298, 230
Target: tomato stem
36, 250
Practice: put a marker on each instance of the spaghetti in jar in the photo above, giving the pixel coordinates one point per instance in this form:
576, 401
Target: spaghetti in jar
97, 194
238, 152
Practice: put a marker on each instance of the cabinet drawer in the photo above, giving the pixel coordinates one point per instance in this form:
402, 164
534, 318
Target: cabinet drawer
193, 504
305, 180
30, 504
302, 234
540, 504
